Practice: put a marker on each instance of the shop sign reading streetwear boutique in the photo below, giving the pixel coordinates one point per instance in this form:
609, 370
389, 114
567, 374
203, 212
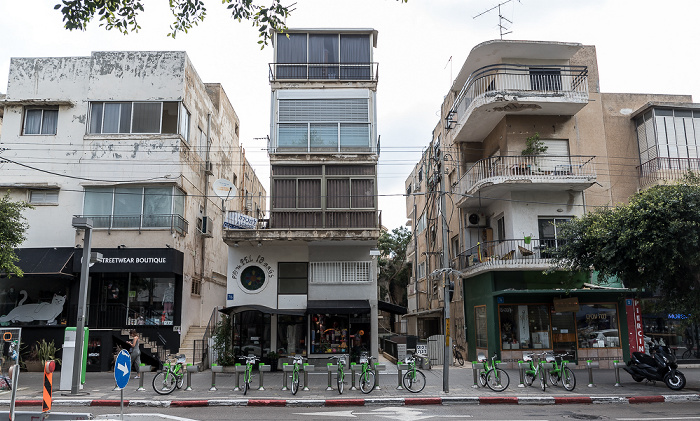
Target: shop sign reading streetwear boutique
135, 260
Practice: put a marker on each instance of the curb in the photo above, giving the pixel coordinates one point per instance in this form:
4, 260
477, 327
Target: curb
447, 400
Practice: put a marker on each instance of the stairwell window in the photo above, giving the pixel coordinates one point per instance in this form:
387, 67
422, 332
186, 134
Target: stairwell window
43, 197
135, 117
40, 121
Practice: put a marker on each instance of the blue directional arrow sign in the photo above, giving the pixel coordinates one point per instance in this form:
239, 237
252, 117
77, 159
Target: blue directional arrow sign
122, 369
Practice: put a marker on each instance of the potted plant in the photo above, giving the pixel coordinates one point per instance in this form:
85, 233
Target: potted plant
41, 352
223, 342
272, 358
534, 146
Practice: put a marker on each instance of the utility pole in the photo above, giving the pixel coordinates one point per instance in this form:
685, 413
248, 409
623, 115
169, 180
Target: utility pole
445, 272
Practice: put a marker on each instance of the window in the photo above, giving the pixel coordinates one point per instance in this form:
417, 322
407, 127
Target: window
597, 326
524, 326
545, 79
136, 207
40, 121
480, 327
421, 224
291, 335
293, 278
153, 300
136, 117
549, 238
501, 229
43, 197
185, 123
421, 270
350, 193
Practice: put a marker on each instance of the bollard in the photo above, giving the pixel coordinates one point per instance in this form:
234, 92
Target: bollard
401, 368
190, 369
475, 373
307, 368
215, 369
377, 367
617, 365
331, 368
353, 368
286, 368
142, 370
522, 366
262, 368
238, 370
49, 367
590, 365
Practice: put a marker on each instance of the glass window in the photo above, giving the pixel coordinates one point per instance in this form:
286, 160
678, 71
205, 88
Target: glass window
549, 237
291, 335
151, 300
525, 326
597, 326
43, 197
355, 50
170, 110
127, 207
324, 136
185, 123
157, 206
133, 207
293, 278
481, 330
40, 121
293, 136
251, 333
138, 117
329, 333
354, 136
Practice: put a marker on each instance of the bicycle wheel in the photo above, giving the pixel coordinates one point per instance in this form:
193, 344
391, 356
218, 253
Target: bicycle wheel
295, 382
568, 380
529, 379
180, 378
482, 378
497, 380
459, 358
543, 380
164, 382
554, 376
341, 381
686, 355
414, 383
367, 381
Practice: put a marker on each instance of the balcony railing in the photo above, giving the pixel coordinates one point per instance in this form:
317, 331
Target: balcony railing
343, 72
567, 82
340, 272
174, 222
507, 253
666, 169
328, 219
541, 168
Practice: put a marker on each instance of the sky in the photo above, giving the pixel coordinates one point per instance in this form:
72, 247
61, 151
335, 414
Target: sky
643, 46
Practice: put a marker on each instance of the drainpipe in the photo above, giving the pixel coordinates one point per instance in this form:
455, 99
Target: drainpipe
206, 206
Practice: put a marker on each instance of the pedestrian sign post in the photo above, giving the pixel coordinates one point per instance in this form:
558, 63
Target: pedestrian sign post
122, 372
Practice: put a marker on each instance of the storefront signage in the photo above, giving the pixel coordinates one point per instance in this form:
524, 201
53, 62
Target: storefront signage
565, 304
235, 220
634, 325
259, 261
135, 260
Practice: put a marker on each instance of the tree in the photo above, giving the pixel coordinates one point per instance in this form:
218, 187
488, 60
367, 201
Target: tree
122, 14
652, 244
12, 233
393, 270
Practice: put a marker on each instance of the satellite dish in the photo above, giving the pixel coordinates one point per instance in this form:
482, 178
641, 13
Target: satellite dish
224, 189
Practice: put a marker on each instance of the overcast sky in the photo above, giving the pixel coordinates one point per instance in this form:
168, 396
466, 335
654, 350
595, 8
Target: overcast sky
643, 47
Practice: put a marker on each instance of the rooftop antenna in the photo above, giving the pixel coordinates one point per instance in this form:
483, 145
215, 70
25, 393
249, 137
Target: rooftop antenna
501, 18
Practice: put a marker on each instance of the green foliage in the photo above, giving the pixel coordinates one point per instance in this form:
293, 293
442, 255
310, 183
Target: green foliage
12, 233
534, 146
122, 14
45, 351
652, 244
394, 272
223, 341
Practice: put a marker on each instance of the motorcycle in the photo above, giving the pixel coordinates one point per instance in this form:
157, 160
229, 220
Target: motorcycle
660, 365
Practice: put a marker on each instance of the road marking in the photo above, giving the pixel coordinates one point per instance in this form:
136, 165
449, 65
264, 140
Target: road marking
396, 413
657, 419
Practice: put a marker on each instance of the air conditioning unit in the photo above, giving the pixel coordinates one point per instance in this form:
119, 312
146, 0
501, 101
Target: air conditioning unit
209, 168
204, 226
474, 219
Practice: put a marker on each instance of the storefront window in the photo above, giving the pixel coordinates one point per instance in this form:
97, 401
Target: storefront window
481, 330
251, 333
291, 335
151, 300
597, 326
525, 326
329, 333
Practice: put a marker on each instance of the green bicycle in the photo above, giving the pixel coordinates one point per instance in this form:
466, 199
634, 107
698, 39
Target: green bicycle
367, 374
298, 362
171, 376
248, 373
413, 379
535, 370
560, 372
490, 375
341, 371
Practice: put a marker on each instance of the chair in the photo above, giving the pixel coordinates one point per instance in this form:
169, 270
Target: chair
525, 252
509, 255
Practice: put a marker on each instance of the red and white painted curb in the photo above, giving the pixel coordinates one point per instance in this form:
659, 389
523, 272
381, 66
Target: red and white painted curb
448, 400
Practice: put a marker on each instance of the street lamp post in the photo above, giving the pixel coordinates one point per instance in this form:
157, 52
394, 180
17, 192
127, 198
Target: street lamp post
86, 225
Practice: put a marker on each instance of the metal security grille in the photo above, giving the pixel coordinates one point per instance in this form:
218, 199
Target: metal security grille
327, 110
339, 272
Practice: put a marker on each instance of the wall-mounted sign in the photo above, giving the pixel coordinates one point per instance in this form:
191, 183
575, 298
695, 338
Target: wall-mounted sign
253, 273
235, 220
565, 304
634, 325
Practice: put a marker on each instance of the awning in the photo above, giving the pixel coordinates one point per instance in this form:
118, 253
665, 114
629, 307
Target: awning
263, 309
337, 307
563, 291
57, 261
391, 308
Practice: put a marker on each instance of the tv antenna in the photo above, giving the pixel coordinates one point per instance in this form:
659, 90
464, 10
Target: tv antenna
501, 18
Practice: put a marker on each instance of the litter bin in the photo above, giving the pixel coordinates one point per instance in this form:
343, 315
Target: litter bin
69, 346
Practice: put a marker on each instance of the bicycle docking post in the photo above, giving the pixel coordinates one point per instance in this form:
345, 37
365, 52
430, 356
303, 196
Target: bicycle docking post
475, 373
142, 370
262, 368
331, 367
286, 368
215, 369
522, 366
307, 368
401, 367
377, 367
617, 365
353, 368
238, 370
590, 365
190, 369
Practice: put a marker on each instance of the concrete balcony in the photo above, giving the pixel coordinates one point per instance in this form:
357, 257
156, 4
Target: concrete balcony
664, 170
496, 90
493, 177
507, 255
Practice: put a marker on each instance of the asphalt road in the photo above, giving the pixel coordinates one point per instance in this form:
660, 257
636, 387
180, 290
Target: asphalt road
616, 412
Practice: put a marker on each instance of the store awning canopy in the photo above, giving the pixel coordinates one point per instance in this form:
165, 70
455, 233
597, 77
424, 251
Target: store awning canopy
391, 308
57, 261
337, 307
263, 309
563, 291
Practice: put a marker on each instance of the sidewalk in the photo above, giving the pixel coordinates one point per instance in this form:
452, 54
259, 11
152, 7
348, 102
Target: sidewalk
100, 391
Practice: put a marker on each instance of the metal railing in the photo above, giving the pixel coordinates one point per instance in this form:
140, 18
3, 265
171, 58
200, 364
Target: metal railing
328, 219
201, 353
340, 272
174, 222
535, 168
568, 82
493, 254
324, 72
666, 169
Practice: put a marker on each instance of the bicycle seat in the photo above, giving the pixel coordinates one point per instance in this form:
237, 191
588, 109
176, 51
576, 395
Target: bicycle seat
527, 357
481, 357
549, 358
181, 358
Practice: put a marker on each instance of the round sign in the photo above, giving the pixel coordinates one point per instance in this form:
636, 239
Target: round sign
252, 278
224, 189
122, 369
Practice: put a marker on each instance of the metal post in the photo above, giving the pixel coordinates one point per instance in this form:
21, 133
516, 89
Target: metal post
306, 377
475, 374
238, 378
213, 380
141, 376
189, 379
445, 266
330, 376
590, 364
521, 369
86, 225
400, 378
284, 377
352, 375
617, 365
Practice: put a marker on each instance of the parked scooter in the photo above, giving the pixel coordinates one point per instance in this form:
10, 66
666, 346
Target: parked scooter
660, 365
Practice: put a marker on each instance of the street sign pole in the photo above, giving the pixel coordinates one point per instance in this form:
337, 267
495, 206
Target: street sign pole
85, 224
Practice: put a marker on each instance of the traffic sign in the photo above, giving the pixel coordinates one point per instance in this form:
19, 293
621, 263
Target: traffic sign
122, 369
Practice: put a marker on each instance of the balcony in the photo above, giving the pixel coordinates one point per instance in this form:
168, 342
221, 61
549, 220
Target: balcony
328, 219
663, 170
514, 254
174, 222
324, 72
495, 176
493, 91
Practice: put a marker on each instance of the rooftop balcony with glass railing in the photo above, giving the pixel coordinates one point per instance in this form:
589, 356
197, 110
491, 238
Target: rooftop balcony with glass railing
496, 90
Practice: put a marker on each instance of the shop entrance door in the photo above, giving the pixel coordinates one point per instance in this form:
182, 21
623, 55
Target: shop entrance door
108, 301
564, 334
251, 333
